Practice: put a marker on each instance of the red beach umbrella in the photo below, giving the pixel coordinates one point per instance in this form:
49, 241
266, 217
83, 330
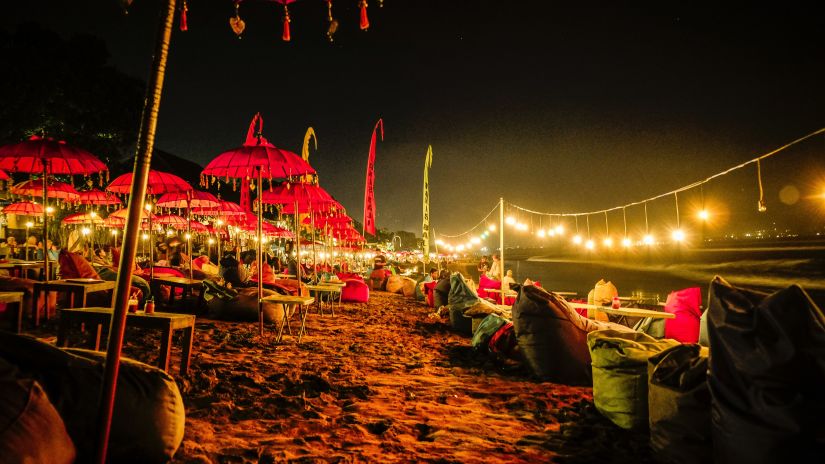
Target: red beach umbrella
197, 199
98, 197
158, 184
124, 212
54, 189
83, 218
198, 227
4, 175
172, 220
224, 209
257, 159
25, 208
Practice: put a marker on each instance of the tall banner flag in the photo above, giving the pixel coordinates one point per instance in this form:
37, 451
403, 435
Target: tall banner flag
305, 150
425, 234
251, 139
369, 192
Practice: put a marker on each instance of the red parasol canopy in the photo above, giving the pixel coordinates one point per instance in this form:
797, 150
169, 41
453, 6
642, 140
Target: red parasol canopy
305, 194
124, 212
199, 227
26, 208
114, 222
198, 199
98, 197
55, 189
255, 155
158, 184
38, 153
83, 218
225, 208
4, 175
172, 220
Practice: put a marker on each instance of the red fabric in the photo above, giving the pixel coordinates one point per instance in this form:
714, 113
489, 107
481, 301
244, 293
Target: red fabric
268, 273
355, 291
198, 262
348, 276
582, 311
429, 289
286, 36
686, 304
369, 193
365, 21
74, 266
184, 25
503, 342
484, 283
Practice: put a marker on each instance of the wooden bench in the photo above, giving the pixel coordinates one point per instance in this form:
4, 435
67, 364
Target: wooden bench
14, 298
167, 323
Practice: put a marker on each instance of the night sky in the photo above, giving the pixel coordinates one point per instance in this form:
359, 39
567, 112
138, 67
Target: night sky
556, 107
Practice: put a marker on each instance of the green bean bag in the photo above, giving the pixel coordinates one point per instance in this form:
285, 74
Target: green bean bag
148, 420
679, 405
620, 374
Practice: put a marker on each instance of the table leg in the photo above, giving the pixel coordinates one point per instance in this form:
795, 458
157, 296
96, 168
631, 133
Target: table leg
98, 329
63, 331
303, 313
188, 337
165, 347
18, 311
83, 298
35, 312
284, 321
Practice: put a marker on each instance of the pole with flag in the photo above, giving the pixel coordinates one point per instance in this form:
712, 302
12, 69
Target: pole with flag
369, 192
425, 229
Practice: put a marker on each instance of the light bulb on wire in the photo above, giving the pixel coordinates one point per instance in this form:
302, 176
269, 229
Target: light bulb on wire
678, 235
648, 239
626, 242
589, 244
608, 242
577, 239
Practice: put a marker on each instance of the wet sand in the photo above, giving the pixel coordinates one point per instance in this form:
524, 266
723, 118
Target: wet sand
378, 382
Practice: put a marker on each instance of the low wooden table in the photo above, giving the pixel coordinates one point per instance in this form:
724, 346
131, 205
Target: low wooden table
329, 290
289, 300
625, 312
76, 288
285, 276
173, 282
14, 298
18, 268
167, 323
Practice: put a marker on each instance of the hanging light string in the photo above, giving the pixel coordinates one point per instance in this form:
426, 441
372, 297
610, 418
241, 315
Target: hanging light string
475, 226
693, 185
676, 197
624, 219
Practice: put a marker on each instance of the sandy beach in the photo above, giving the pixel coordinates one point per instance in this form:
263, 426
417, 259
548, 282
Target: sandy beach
377, 382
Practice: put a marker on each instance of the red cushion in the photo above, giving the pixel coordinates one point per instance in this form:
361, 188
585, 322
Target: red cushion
686, 304
355, 291
349, 275
74, 266
429, 289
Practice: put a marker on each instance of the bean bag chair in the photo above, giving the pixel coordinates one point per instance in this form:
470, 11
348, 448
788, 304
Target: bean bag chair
31, 430
460, 295
291, 286
620, 374
767, 373
679, 405
459, 322
164, 290
484, 283
504, 343
441, 293
408, 290
552, 337
243, 307
74, 266
356, 291
686, 304
485, 331
148, 420
601, 295
420, 295
395, 284
429, 288
268, 273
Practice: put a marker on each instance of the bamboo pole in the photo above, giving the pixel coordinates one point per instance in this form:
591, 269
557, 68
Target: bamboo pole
143, 158
260, 247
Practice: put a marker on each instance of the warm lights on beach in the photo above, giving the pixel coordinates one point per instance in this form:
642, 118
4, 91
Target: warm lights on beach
648, 239
491, 227
703, 215
678, 235
589, 244
510, 220
577, 239
85, 231
559, 229
626, 242
607, 242
29, 224
114, 232
475, 240
145, 236
49, 209
187, 236
541, 233
148, 206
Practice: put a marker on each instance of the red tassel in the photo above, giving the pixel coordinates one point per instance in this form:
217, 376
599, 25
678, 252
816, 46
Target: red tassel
286, 36
365, 21
184, 26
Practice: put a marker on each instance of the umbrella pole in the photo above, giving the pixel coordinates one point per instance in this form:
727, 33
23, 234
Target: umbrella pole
151, 246
314, 259
260, 255
145, 143
189, 231
297, 249
45, 235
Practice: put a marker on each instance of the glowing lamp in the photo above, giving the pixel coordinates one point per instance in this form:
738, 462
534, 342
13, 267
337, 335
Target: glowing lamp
577, 239
170, 232
460, 248
439, 242
491, 227
114, 231
703, 215
608, 242
29, 224
187, 236
560, 229
626, 242
541, 233
145, 236
510, 220
475, 240
521, 226
678, 235
210, 241
85, 231
219, 222
49, 209
589, 245
148, 206
648, 239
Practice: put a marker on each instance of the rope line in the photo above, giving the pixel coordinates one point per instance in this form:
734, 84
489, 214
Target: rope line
475, 226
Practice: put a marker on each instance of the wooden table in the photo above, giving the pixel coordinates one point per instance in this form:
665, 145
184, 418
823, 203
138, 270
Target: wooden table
285, 276
11, 298
173, 282
167, 323
564, 293
18, 268
289, 300
329, 290
625, 312
74, 287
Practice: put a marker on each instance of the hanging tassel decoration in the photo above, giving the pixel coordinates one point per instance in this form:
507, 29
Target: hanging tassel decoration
286, 35
365, 22
333, 23
237, 24
184, 25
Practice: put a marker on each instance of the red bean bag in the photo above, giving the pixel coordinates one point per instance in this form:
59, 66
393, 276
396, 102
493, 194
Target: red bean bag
355, 291
74, 266
349, 275
484, 283
686, 304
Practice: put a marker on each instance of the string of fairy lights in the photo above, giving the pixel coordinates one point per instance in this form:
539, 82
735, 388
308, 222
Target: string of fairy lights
577, 225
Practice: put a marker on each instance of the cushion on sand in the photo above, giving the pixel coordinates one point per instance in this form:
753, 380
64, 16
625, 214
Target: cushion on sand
74, 266
686, 304
31, 430
552, 336
148, 420
244, 307
395, 284
355, 291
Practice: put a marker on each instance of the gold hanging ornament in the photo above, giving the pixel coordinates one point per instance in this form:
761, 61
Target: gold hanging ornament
236, 23
333, 23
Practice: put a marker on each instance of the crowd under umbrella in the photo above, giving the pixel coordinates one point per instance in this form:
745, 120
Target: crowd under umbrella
158, 184
91, 218
48, 157
257, 159
188, 200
